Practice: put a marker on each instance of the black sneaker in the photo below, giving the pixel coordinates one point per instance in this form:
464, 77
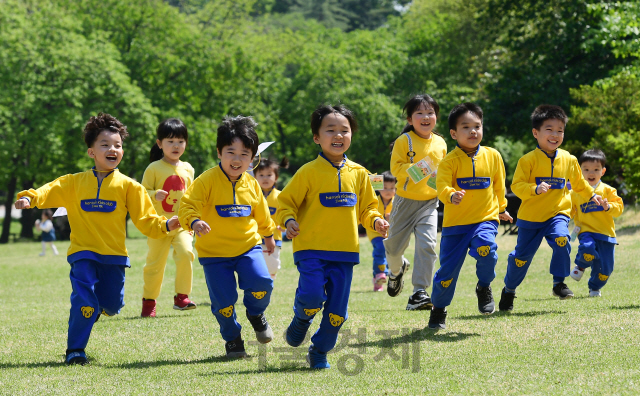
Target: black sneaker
264, 334
562, 290
75, 356
486, 305
419, 301
506, 300
235, 348
438, 318
395, 283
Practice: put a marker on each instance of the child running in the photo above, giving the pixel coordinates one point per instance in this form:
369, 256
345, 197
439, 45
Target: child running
166, 179
597, 233
415, 207
471, 185
540, 182
267, 173
385, 204
228, 201
321, 208
97, 202
48, 233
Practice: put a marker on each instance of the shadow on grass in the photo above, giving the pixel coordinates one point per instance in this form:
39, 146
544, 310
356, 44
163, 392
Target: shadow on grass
425, 334
630, 306
60, 363
269, 368
509, 314
141, 318
160, 363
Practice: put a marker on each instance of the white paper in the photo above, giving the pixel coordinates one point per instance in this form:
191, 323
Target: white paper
60, 212
263, 146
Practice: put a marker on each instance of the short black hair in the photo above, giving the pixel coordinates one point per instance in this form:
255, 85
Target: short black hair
323, 110
239, 127
388, 177
171, 128
593, 155
461, 109
547, 112
102, 122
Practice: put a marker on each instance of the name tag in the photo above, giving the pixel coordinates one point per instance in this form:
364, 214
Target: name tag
233, 210
272, 210
98, 205
556, 183
338, 199
474, 183
590, 207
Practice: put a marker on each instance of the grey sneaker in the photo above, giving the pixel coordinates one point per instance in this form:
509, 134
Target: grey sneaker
395, 283
264, 334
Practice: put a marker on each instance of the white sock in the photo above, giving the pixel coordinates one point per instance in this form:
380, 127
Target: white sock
55, 250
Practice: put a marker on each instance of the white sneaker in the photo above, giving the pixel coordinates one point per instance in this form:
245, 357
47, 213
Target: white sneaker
594, 293
576, 273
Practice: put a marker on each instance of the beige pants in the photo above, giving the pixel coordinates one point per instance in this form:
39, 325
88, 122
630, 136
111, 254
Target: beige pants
157, 257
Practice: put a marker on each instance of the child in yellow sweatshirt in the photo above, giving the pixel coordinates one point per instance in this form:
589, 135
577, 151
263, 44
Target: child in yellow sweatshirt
385, 205
597, 231
97, 202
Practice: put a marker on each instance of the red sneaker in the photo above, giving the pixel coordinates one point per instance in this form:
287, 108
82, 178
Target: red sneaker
182, 302
148, 308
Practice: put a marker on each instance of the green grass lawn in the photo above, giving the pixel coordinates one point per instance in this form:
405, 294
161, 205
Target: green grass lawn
545, 346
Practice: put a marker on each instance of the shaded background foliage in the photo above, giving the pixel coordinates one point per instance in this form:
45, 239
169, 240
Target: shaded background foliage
146, 60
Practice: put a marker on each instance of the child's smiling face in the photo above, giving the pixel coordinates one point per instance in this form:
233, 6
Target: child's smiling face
235, 159
106, 150
423, 121
592, 172
468, 132
334, 136
550, 135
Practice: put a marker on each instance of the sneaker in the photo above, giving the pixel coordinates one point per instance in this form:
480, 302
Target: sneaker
486, 305
576, 273
181, 302
594, 293
297, 331
506, 300
264, 334
235, 348
377, 288
419, 301
77, 356
378, 282
438, 318
394, 286
317, 359
562, 290
148, 308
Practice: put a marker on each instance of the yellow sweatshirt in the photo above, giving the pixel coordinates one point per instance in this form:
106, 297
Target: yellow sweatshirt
328, 201
160, 175
236, 211
555, 169
482, 177
401, 159
272, 201
591, 217
97, 213
385, 210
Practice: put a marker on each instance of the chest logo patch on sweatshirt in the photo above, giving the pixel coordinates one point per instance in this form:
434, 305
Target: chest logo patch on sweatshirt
233, 210
272, 211
561, 241
556, 183
484, 251
338, 199
520, 263
175, 186
226, 312
474, 183
335, 320
98, 205
590, 207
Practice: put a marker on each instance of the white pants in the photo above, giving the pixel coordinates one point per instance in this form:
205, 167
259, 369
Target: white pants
273, 261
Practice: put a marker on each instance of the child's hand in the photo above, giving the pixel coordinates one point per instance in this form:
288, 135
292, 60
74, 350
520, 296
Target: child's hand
387, 216
382, 226
173, 223
161, 195
598, 199
542, 188
22, 203
457, 196
269, 245
201, 228
293, 229
605, 205
505, 217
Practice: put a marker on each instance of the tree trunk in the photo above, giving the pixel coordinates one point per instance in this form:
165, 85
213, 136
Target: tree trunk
8, 204
26, 221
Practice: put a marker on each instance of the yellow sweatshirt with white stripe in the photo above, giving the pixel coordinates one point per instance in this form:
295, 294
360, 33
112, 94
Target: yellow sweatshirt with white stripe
435, 147
236, 211
482, 176
538, 166
161, 175
97, 213
272, 201
384, 210
591, 217
328, 202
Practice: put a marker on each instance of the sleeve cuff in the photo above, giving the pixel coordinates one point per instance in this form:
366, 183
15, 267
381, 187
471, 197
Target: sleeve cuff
167, 225
27, 198
269, 236
191, 225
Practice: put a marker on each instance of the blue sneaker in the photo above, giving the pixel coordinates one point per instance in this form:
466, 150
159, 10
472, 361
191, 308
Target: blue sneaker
76, 357
317, 359
297, 331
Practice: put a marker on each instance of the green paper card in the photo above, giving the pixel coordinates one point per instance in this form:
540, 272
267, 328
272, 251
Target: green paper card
377, 181
420, 170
